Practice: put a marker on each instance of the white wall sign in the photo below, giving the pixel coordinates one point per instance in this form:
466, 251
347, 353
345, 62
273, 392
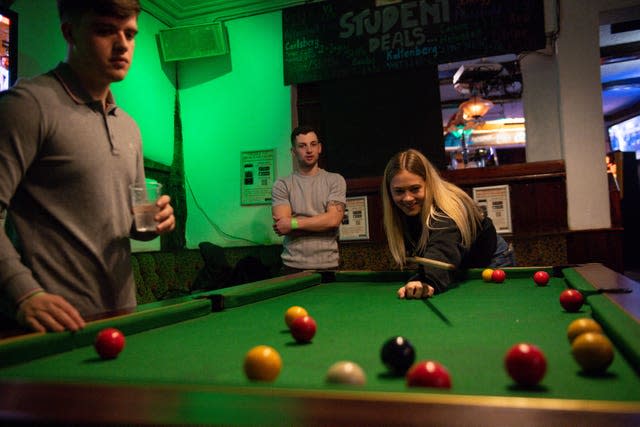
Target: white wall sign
495, 202
355, 223
257, 169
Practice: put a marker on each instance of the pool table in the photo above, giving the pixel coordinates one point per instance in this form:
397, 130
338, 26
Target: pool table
182, 363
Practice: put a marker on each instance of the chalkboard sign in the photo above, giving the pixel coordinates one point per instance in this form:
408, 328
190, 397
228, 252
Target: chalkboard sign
338, 38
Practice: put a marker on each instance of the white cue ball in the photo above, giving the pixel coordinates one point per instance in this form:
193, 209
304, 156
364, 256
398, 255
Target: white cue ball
345, 372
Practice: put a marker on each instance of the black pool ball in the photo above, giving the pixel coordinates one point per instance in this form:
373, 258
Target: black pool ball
398, 355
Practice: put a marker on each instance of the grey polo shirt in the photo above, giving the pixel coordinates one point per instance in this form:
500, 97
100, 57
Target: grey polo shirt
65, 168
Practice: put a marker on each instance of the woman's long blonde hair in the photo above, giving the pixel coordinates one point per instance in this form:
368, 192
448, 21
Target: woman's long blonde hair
441, 199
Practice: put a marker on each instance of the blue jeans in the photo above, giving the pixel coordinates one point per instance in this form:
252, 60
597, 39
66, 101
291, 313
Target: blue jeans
504, 255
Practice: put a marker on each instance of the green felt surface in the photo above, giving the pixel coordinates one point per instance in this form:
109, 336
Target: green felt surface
22, 349
468, 329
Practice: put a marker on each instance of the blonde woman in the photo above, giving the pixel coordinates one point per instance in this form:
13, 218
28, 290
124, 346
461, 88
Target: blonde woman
428, 217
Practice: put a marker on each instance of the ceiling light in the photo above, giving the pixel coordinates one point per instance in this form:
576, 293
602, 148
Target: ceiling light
475, 107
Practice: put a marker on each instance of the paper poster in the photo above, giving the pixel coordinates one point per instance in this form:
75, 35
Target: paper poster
257, 169
355, 223
495, 203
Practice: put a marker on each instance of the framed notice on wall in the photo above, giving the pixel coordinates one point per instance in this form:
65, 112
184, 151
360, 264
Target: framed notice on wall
494, 201
355, 223
257, 173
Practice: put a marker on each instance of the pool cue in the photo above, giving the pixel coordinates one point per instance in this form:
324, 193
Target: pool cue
432, 263
596, 291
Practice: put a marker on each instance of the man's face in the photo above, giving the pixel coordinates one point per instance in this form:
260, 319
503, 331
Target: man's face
102, 47
307, 150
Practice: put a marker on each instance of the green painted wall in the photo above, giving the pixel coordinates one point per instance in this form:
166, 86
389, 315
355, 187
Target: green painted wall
40, 44
147, 92
230, 104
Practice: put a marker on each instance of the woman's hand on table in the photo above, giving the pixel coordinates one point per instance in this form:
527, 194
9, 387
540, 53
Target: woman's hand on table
415, 290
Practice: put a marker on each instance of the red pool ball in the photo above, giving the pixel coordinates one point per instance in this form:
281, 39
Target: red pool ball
303, 329
525, 364
541, 278
428, 373
109, 343
498, 276
571, 300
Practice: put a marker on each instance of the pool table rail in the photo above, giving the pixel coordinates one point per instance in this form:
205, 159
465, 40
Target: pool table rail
24, 403
23, 348
618, 313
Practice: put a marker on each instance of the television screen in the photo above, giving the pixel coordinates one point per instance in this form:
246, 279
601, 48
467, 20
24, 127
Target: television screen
625, 136
8, 48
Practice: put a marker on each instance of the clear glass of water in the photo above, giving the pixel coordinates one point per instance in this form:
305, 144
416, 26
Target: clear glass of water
143, 198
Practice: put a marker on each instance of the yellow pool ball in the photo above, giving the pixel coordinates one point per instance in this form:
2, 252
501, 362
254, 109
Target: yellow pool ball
580, 326
262, 363
486, 274
593, 352
293, 313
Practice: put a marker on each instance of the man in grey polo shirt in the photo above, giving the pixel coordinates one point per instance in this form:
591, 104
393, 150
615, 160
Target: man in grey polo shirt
67, 157
308, 207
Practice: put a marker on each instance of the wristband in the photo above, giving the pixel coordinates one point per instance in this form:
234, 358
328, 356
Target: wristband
294, 223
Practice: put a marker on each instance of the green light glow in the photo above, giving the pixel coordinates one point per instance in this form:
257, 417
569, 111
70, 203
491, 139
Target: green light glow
231, 104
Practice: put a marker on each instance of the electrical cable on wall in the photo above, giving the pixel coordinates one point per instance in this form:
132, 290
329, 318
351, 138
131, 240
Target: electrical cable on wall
213, 224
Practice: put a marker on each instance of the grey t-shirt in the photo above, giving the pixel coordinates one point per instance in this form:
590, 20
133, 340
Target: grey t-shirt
309, 196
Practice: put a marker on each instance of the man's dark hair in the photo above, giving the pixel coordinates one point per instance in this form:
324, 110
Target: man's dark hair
72, 9
302, 130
